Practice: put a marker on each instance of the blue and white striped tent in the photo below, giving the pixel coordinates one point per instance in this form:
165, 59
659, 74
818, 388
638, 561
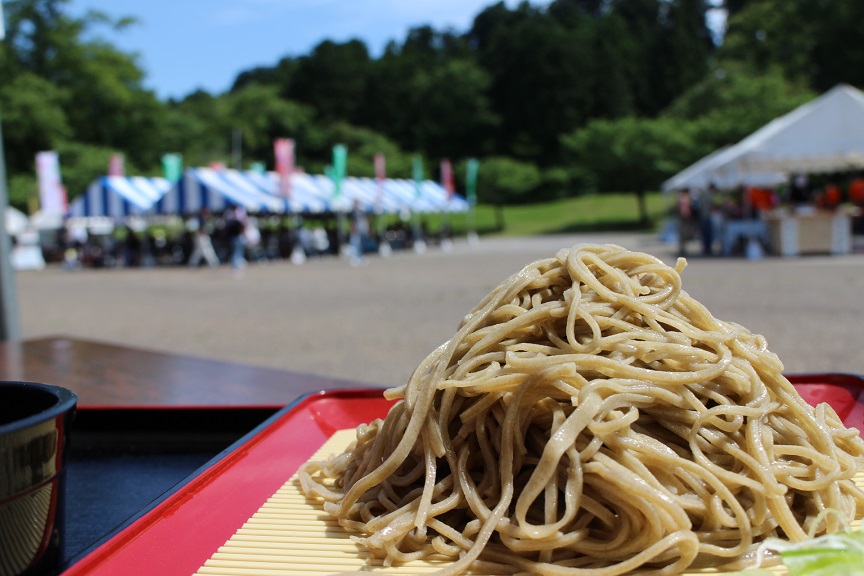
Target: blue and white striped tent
119, 197
406, 191
432, 196
372, 196
342, 203
216, 190
306, 197
394, 196
438, 197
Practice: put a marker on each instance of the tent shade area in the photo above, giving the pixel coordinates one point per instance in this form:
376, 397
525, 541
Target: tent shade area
119, 197
821, 136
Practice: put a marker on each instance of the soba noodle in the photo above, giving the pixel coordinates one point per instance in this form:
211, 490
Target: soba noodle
589, 417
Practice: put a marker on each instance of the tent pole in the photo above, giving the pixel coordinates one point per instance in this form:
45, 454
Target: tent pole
9, 323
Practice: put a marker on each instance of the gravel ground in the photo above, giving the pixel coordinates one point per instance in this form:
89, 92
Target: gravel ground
376, 322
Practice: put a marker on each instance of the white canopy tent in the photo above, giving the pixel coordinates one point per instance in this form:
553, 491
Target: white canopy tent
716, 169
16, 221
823, 135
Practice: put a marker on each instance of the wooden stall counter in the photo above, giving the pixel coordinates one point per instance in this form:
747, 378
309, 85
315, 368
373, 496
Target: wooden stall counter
816, 232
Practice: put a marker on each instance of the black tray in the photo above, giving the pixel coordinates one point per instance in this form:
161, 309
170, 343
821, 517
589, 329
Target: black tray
123, 460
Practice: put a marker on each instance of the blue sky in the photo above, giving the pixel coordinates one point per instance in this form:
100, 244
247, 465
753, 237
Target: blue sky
183, 45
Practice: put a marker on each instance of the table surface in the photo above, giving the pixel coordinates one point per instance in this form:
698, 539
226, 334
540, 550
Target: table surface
103, 374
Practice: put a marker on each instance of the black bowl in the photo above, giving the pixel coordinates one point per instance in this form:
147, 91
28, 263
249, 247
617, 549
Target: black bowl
34, 433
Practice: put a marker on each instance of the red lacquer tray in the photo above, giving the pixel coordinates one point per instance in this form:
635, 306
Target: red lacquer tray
179, 534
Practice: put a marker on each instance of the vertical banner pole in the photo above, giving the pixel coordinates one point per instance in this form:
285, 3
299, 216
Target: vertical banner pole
419, 241
471, 169
10, 328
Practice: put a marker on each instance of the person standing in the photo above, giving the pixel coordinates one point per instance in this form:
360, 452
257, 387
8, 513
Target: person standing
359, 231
132, 247
708, 219
235, 222
202, 244
688, 219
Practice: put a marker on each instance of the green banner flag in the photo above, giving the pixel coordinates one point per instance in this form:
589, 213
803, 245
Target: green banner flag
172, 166
471, 169
418, 174
337, 172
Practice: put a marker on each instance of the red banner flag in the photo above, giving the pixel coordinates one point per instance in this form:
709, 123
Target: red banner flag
115, 165
380, 175
380, 167
447, 178
283, 151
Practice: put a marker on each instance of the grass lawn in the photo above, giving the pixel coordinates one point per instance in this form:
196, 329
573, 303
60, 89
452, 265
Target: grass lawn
588, 213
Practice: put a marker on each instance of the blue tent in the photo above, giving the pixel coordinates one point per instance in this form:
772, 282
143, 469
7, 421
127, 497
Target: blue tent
305, 196
119, 196
431, 196
440, 199
216, 190
391, 196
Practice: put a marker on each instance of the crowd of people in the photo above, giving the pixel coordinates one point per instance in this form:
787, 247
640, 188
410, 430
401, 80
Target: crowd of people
702, 214
233, 238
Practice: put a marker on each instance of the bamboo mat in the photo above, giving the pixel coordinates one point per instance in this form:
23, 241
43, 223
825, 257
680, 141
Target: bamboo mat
290, 535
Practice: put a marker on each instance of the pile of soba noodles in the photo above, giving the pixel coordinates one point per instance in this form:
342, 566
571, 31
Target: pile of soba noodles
590, 417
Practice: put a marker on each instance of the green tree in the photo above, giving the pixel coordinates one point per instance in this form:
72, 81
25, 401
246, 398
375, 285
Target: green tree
732, 102
541, 83
333, 79
81, 164
813, 42
199, 127
363, 144
281, 75
503, 181
386, 106
107, 106
507, 181
837, 55
613, 54
428, 82
452, 112
761, 36
425, 46
99, 88
33, 116
262, 116
683, 47
630, 154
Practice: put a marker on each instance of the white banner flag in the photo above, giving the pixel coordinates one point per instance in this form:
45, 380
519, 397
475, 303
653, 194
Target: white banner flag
52, 196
